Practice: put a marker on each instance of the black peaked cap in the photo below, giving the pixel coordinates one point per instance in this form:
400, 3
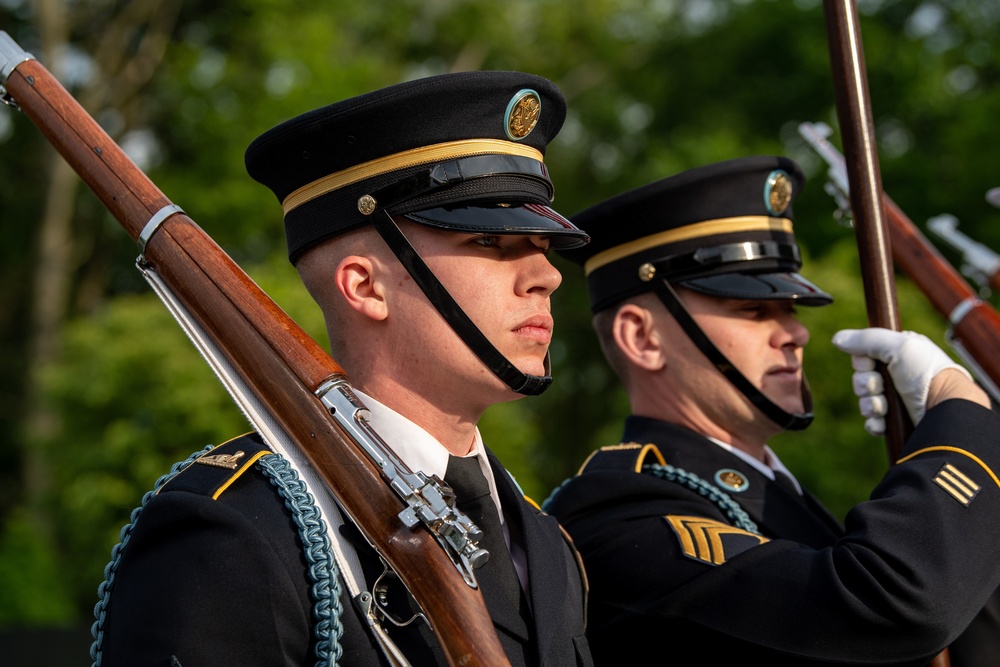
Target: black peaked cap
477, 137
723, 229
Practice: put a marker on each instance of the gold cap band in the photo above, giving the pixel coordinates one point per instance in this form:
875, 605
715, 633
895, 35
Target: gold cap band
411, 158
707, 228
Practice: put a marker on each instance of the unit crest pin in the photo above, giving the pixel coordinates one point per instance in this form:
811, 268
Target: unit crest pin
522, 115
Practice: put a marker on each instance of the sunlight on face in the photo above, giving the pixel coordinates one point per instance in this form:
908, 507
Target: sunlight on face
503, 283
762, 339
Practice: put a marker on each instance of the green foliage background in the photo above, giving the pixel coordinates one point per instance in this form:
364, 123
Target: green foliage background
654, 87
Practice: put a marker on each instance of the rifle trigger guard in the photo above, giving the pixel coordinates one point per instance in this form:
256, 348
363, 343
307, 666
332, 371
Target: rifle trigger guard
375, 612
154, 224
377, 601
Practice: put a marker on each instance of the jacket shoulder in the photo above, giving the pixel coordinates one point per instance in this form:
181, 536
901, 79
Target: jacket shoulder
215, 471
627, 456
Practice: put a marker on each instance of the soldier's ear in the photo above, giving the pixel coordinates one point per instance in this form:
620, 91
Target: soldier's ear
357, 280
637, 338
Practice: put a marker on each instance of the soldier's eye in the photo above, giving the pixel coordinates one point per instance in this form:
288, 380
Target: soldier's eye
487, 241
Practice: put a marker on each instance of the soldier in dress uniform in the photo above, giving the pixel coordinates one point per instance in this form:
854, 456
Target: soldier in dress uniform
696, 539
418, 218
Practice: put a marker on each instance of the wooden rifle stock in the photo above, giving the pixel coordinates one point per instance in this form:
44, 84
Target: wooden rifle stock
979, 262
975, 324
282, 365
861, 159
850, 79
974, 329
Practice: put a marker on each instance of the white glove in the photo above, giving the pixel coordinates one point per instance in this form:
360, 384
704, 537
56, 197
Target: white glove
912, 361
869, 389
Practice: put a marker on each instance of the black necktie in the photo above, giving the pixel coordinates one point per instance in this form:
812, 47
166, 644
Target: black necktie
472, 494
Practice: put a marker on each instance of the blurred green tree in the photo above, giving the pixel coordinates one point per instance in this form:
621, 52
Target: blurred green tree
654, 87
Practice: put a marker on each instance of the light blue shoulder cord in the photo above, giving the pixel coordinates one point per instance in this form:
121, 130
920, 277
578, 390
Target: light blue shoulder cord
111, 569
736, 514
322, 568
721, 499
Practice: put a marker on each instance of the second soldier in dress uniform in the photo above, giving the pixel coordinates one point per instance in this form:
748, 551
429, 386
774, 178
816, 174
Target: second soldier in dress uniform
418, 218
696, 539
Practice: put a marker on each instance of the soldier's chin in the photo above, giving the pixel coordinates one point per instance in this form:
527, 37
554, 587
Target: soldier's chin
793, 407
535, 367
536, 370
790, 404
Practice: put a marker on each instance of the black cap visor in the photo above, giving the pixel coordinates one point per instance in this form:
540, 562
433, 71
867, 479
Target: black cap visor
760, 287
529, 219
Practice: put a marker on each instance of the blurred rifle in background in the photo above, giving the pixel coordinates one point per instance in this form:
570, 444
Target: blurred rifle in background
993, 196
974, 325
979, 263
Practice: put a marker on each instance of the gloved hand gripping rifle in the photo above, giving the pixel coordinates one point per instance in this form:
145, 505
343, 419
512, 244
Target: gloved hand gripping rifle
974, 325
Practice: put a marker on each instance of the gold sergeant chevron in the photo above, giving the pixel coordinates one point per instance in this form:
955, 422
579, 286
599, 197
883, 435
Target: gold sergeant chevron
711, 541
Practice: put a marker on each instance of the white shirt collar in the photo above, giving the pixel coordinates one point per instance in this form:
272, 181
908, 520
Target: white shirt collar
766, 469
417, 448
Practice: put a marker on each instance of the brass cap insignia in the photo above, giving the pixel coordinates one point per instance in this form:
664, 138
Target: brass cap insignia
367, 204
230, 461
778, 192
647, 272
732, 480
523, 112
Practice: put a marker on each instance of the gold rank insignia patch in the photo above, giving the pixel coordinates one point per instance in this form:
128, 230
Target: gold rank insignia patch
957, 484
523, 112
711, 541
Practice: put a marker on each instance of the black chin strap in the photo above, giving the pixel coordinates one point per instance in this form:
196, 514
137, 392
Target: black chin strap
522, 383
786, 420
